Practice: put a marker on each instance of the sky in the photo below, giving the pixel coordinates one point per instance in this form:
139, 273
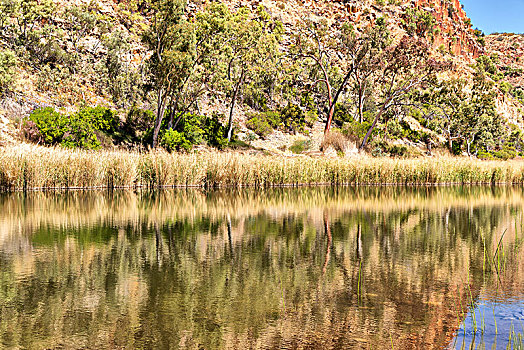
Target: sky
496, 15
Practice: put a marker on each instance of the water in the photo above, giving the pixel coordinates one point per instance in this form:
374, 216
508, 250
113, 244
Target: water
309, 268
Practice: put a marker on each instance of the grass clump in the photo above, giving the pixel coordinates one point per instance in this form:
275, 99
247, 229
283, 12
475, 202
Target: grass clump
300, 146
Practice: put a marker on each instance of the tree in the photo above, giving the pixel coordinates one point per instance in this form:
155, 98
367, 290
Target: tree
404, 67
24, 24
247, 47
449, 97
325, 61
366, 52
170, 38
336, 60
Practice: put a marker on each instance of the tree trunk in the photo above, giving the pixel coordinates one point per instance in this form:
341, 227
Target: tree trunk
375, 121
232, 109
159, 116
360, 105
171, 116
330, 118
333, 100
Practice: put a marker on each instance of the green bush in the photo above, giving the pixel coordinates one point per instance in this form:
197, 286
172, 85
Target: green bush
294, 119
484, 155
259, 124
395, 130
214, 132
76, 130
401, 151
7, 70
194, 129
136, 125
50, 123
356, 130
173, 140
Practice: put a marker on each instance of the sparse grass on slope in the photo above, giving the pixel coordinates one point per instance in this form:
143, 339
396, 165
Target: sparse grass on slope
31, 167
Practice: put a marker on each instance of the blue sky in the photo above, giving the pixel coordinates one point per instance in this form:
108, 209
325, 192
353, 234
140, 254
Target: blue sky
496, 15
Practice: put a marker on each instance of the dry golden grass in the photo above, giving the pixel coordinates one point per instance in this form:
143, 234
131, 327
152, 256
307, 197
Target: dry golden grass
33, 167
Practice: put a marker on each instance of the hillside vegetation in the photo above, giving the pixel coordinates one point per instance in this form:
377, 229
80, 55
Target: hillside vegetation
387, 77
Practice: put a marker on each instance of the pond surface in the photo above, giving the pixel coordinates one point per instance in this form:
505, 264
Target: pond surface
307, 268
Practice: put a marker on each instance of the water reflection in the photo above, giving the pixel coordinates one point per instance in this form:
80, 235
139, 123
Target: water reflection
285, 268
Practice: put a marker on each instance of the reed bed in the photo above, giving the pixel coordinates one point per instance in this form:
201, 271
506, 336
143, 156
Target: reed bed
27, 167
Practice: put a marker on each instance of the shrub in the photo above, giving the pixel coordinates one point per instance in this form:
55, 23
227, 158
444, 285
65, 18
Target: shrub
214, 132
357, 131
342, 114
398, 151
50, 123
77, 130
136, 125
395, 130
194, 129
173, 140
505, 153
484, 155
300, 146
378, 147
294, 119
100, 118
7, 70
259, 125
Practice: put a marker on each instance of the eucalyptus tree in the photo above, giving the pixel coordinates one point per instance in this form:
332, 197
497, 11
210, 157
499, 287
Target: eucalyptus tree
367, 51
449, 96
321, 50
403, 67
248, 51
338, 57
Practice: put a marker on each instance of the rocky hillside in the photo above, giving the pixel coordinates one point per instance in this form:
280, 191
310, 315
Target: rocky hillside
112, 38
509, 49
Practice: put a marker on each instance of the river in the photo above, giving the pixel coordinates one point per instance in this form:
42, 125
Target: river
302, 268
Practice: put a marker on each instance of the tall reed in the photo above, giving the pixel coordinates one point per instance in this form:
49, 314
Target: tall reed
32, 167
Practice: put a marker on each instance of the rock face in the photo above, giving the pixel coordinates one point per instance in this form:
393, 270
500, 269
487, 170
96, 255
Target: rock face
454, 26
454, 32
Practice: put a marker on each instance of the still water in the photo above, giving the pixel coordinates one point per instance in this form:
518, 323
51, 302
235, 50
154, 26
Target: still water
309, 268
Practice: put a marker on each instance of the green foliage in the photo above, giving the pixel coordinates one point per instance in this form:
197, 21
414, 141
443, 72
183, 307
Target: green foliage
395, 130
506, 87
214, 132
7, 70
76, 130
259, 124
505, 153
291, 118
381, 148
342, 114
488, 65
357, 130
295, 119
136, 125
50, 123
194, 129
173, 140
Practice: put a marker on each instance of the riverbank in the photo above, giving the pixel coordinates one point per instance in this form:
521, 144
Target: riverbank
25, 167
